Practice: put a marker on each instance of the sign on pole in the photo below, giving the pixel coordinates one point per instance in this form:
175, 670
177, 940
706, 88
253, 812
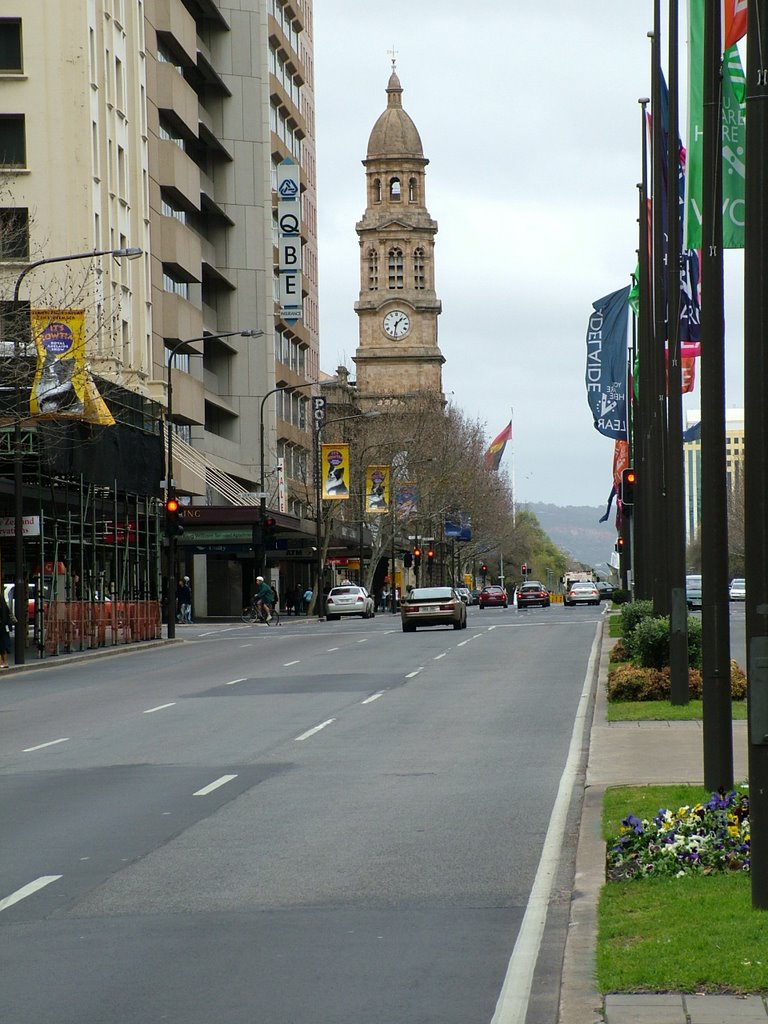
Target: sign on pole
289, 240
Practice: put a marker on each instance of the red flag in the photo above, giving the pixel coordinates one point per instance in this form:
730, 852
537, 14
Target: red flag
496, 450
735, 21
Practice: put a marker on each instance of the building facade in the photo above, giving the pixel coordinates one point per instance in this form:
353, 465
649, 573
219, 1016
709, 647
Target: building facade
734, 463
159, 125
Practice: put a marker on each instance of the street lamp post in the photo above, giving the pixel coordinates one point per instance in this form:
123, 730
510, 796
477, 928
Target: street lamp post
319, 428
170, 490
20, 587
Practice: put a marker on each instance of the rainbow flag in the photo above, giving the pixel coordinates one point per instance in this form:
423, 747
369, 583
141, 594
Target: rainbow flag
496, 450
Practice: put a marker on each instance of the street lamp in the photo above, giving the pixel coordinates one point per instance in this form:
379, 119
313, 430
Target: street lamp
261, 557
20, 588
170, 482
319, 428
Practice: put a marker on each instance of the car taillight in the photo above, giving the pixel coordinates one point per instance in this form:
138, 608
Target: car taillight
447, 607
359, 598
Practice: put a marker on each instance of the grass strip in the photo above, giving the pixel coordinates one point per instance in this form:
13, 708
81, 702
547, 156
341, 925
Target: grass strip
692, 934
663, 711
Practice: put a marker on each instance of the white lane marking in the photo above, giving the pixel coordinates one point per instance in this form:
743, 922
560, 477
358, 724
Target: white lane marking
50, 743
464, 642
214, 785
412, 674
233, 681
331, 649
160, 707
364, 641
311, 732
515, 994
287, 664
437, 657
246, 645
373, 697
27, 890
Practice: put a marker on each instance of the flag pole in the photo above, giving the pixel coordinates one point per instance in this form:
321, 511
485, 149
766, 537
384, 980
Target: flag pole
512, 458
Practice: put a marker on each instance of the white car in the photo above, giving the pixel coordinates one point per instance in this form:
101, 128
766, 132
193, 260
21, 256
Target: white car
464, 594
582, 593
349, 600
738, 590
693, 591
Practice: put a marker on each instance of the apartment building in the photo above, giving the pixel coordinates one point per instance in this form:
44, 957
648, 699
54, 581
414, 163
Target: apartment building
734, 462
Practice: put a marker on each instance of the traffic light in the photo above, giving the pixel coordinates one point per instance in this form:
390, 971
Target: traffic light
620, 545
173, 527
524, 569
407, 559
430, 559
628, 478
269, 531
416, 557
483, 569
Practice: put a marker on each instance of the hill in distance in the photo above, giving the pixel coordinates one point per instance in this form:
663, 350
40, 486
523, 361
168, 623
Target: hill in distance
576, 529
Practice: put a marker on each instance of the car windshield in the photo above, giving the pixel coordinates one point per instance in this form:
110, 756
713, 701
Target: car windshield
493, 590
431, 594
738, 583
345, 590
531, 586
583, 586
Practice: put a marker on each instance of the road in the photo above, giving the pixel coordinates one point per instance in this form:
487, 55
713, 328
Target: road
327, 823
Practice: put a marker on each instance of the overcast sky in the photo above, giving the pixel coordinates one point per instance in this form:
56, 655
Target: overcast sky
530, 120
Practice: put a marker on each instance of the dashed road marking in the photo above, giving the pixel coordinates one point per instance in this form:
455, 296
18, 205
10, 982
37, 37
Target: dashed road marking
214, 785
50, 743
160, 707
311, 732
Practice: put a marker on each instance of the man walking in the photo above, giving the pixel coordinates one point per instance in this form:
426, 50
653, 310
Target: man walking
185, 601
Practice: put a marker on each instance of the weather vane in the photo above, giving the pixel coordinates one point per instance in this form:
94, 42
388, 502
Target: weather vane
393, 56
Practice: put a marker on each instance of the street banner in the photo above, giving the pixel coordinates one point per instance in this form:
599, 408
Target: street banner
734, 131
377, 488
606, 375
335, 470
406, 499
457, 526
58, 389
735, 21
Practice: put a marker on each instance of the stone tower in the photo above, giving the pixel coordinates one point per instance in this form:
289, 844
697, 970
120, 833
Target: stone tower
397, 356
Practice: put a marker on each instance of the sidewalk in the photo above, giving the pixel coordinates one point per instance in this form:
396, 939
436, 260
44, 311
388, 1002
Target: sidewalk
636, 753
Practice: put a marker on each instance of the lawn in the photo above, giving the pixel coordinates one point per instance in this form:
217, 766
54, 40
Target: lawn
698, 933
663, 711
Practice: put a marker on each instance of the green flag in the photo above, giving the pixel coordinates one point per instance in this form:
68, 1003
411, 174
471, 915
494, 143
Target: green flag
733, 137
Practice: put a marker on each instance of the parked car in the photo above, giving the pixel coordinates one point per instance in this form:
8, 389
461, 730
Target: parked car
532, 593
474, 597
693, 591
737, 590
433, 606
464, 594
606, 589
493, 597
9, 589
348, 600
582, 593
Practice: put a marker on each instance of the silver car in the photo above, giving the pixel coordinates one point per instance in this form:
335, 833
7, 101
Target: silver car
582, 593
433, 606
348, 600
693, 591
738, 590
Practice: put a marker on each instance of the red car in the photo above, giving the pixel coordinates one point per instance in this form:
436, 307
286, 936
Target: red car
532, 593
493, 597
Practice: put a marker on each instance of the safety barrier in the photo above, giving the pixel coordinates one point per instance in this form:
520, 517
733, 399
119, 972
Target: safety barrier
83, 625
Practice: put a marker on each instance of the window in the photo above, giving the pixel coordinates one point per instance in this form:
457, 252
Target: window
395, 268
10, 45
14, 233
174, 285
394, 189
418, 269
373, 270
169, 209
13, 147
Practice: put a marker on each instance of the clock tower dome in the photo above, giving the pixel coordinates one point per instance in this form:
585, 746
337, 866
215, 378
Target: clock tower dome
397, 356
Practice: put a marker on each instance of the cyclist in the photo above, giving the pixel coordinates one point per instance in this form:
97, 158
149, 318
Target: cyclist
264, 597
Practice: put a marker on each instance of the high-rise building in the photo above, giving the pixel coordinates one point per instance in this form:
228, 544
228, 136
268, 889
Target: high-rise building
160, 124
734, 462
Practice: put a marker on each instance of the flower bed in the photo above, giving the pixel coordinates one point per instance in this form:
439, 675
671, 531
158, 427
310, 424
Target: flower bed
703, 839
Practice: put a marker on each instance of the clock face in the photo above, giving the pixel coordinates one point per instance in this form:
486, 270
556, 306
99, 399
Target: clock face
396, 323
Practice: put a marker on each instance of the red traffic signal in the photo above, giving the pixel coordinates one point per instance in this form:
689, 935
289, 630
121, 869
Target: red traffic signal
628, 480
484, 569
173, 527
172, 505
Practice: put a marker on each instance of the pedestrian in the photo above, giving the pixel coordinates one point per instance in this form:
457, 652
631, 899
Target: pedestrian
185, 607
288, 602
7, 622
298, 599
308, 595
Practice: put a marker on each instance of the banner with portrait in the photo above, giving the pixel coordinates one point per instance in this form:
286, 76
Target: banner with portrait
377, 488
406, 499
59, 385
334, 468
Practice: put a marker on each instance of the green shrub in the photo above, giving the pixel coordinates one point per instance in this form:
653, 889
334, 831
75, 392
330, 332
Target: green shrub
633, 612
649, 643
694, 642
621, 596
634, 682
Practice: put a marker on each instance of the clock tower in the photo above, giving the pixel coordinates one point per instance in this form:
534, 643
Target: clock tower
397, 356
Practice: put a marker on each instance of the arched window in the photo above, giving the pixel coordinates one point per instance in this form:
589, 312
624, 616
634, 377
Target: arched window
395, 268
411, 190
373, 270
419, 277
377, 190
394, 189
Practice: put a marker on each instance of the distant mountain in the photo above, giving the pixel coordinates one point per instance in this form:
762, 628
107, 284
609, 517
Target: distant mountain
576, 529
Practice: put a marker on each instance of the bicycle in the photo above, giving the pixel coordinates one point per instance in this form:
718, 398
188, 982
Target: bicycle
255, 612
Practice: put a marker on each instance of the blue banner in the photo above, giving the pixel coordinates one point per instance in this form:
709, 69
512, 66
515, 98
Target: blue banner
458, 526
606, 375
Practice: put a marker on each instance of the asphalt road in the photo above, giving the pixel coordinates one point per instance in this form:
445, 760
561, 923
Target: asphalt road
328, 823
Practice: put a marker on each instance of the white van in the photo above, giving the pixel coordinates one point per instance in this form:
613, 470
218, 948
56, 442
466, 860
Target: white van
693, 591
